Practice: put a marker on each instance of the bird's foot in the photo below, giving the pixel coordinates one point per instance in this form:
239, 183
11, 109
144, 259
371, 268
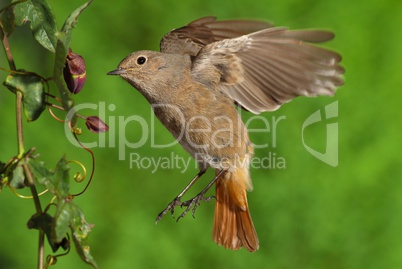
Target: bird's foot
176, 202
194, 203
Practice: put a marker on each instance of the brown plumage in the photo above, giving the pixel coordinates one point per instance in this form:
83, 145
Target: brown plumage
233, 227
205, 67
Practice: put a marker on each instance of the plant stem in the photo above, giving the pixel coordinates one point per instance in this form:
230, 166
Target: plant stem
38, 207
20, 133
32, 186
6, 47
62, 109
21, 151
29, 177
41, 249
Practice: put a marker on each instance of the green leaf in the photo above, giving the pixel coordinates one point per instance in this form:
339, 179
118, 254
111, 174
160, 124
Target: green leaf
43, 22
7, 19
42, 174
72, 20
32, 89
44, 222
61, 179
22, 12
62, 220
68, 215
7, 172
34, 101
57, 180
80, 230
17, 181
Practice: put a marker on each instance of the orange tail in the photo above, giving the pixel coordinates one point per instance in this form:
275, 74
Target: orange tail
233, 227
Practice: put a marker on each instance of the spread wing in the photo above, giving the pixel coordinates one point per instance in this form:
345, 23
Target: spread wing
191, 38
262, 70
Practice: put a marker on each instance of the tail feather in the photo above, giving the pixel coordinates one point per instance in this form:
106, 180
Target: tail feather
233, 227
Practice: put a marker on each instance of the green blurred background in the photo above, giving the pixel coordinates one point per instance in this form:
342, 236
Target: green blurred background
309, 215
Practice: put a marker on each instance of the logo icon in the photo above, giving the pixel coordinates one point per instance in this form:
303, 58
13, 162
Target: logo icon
330, 156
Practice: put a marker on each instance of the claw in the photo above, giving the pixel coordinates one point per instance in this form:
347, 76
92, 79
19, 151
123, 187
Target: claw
176, 201
192, 203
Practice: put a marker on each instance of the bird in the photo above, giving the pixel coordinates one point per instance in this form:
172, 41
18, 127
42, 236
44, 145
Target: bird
203, 71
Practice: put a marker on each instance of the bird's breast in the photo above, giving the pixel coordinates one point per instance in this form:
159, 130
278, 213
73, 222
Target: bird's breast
206, 124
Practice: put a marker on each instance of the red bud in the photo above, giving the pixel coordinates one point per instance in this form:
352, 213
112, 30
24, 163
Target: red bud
96, 125
74, 72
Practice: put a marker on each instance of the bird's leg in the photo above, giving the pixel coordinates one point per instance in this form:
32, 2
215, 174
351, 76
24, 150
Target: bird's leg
176, 201
195, 201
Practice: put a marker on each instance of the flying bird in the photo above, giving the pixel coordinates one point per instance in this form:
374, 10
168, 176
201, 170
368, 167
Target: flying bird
202, 72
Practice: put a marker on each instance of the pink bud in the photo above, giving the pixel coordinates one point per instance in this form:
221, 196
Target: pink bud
96, 125
74, 72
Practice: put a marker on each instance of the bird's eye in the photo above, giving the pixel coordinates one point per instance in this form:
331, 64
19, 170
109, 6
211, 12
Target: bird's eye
141, 60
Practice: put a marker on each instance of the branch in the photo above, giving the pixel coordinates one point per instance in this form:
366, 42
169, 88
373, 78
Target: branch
7, 49
38, 207
21, 151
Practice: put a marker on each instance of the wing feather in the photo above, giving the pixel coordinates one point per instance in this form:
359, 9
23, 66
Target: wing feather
262, 70
190, 39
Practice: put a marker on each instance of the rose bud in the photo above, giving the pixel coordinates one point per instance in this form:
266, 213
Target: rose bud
74, 72
96, 125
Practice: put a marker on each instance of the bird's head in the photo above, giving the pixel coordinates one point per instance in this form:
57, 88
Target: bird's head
140, 68
153, 73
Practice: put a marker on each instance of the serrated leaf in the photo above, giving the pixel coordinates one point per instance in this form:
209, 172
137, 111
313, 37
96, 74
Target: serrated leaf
43, 22
73, 17
42, 174
57, 181
32, 89
61, 179
68, 215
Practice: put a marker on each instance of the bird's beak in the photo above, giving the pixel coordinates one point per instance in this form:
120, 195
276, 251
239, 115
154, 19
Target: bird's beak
117, 72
